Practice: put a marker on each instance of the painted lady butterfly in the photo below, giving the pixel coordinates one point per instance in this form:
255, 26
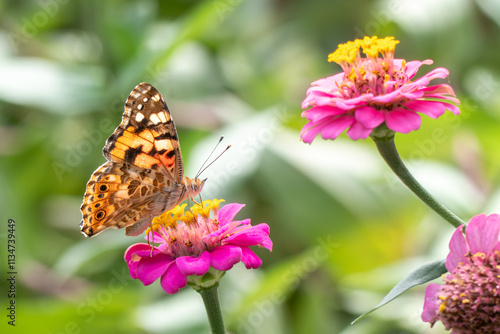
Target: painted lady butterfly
143, 176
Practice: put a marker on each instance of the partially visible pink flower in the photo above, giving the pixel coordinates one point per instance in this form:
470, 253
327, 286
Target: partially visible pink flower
372, 91
469, 299
196, 247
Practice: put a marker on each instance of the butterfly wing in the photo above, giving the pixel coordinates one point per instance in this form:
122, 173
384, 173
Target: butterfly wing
146, 137
144, 172
119, 195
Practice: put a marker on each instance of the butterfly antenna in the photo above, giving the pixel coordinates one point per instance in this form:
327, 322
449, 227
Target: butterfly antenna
210, 164
204, 163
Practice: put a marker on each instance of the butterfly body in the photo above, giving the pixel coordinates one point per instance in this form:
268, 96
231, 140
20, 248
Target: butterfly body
143, 176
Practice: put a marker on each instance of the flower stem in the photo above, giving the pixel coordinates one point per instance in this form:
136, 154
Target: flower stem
388, 151
211, 301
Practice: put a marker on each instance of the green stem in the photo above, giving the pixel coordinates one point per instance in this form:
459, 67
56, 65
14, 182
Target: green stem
388, 150
211, 301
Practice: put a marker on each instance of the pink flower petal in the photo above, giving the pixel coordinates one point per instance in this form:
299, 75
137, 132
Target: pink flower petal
431, 302
317, 114
173, 280
249, 258
432, 109
358, 131
251, 236
190, 265
482, 233
356, 102
150, 269
225, 257
387, 98
458, 249
228, 211
401, 120
412, 66
309, 132
141, 247
369, 117
333, 128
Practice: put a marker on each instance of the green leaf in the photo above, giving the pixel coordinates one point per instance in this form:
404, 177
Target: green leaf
421, 275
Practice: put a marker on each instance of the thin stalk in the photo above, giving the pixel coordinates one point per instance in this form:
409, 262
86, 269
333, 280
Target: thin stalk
388, 151
211, 301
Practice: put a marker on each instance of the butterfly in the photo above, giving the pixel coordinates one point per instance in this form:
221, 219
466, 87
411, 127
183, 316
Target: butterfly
143, 175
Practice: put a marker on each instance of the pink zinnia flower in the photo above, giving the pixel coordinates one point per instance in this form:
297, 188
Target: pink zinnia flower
469, 300
373, 90
197, 246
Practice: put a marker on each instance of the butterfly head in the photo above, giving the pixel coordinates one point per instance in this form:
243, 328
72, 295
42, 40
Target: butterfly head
193, 186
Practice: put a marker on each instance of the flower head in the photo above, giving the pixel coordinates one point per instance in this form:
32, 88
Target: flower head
469, 299
196, 246
373, 90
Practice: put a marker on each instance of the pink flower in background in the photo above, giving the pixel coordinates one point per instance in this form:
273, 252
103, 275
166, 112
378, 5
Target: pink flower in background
196, 247
373, 90
469, 299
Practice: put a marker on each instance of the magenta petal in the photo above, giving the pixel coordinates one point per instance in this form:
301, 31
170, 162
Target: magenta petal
333, 128
250, 236
358, 131
173, 280
369, 117
249, 258
228, 211
458, 249
413, 66
430, 302
317, 114
309, 132
190, 265
225, 257
150, 269
482, 233
432, 109
401, 120
141, 247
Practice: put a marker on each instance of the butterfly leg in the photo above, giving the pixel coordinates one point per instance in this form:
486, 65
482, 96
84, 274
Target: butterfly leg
150, 239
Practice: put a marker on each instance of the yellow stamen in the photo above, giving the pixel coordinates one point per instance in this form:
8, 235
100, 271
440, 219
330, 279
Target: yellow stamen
371, 46
178, 214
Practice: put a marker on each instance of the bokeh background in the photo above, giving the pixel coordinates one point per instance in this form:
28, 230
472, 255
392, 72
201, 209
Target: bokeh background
345, 230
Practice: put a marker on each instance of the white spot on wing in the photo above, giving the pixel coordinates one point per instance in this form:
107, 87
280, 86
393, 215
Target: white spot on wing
163, 117
154, 118
139, 117
156, 98
145, 100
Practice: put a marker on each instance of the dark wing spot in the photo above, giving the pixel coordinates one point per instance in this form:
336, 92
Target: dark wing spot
171, 153
100, 196
132, 153
103, 187
166, 135
100, 214
96, 205
144, 190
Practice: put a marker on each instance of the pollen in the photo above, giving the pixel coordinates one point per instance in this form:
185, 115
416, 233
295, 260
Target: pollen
371, 46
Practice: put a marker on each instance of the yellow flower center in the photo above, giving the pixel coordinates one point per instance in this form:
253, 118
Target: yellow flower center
371, 46
178, 214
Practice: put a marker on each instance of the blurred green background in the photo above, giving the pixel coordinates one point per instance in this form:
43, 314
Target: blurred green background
344, 229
